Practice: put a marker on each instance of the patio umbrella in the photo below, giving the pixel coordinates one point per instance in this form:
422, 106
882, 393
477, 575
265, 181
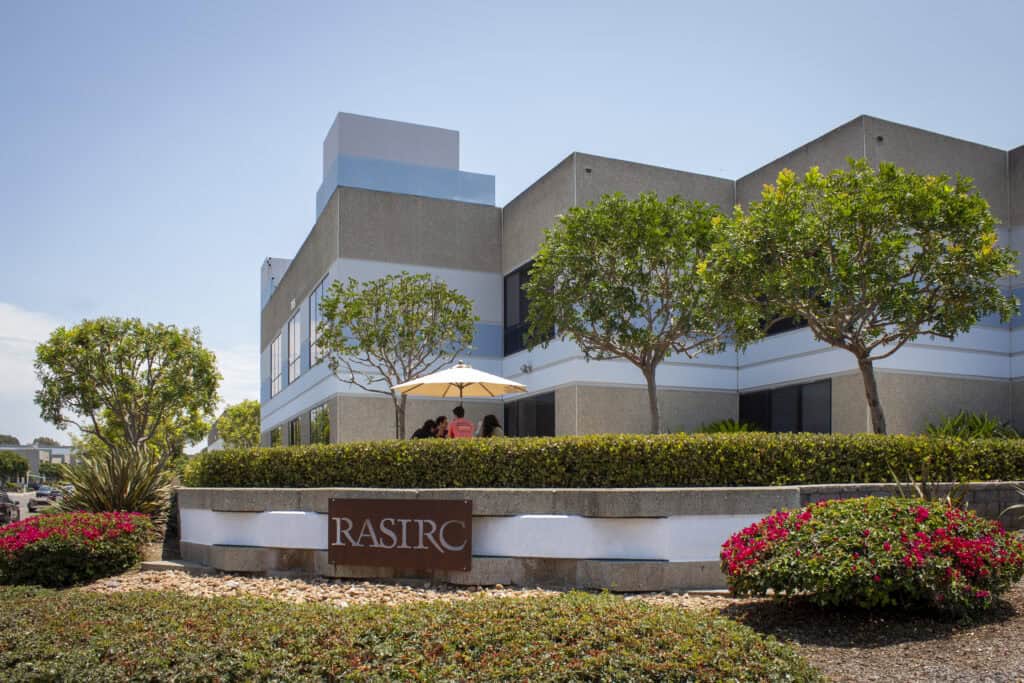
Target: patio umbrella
460, 379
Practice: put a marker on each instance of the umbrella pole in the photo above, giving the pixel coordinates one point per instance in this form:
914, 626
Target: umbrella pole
460, 394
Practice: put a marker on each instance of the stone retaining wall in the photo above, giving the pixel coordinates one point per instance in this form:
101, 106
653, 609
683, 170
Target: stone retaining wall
618, 539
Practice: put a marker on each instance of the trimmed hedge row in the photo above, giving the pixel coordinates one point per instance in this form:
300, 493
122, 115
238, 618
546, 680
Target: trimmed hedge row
609, 461
148, 636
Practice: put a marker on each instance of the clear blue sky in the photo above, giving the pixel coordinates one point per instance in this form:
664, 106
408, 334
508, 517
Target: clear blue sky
151, 155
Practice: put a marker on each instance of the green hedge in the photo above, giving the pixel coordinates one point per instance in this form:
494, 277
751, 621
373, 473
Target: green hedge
148, 636
752, 459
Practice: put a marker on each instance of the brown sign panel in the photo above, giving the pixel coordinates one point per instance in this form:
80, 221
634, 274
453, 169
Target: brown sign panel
401, 533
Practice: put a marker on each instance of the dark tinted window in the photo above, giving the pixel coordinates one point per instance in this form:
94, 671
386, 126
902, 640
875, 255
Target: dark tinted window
786, 325
794, 408
816, 407
516, 308
532, 416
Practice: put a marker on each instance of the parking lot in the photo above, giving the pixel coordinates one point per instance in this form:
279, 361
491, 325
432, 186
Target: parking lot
22, 500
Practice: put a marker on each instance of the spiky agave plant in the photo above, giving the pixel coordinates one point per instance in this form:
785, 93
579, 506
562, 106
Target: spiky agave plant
109, 479
965, 425
727, 426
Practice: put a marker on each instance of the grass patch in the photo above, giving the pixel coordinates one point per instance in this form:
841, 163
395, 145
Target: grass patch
60, 635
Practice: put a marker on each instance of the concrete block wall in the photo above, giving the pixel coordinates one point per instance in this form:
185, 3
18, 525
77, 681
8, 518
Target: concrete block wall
656, 539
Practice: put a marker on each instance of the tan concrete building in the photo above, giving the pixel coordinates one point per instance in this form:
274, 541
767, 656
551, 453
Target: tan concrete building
394, 199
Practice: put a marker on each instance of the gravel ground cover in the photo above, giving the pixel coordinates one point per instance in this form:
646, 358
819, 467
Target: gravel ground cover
341, 593
847, 645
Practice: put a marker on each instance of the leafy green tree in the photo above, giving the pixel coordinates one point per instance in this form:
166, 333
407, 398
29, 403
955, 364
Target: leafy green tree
138, 392
239, 425
383, 332
8, 440
626, 279
50, 471
12, 465
45, 441
870, 258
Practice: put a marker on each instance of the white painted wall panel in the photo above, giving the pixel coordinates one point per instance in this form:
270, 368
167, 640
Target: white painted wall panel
685, 538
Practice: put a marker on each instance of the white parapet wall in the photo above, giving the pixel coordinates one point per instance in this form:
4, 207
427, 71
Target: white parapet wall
677, 538
617, 539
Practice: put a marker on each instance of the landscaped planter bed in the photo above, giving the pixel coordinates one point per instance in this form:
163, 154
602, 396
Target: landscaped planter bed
844, 644
644, 539
165, 636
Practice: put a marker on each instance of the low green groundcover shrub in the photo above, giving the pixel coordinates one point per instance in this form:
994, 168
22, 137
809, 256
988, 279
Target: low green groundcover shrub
64, 549
622, 460
873, 552
167, 636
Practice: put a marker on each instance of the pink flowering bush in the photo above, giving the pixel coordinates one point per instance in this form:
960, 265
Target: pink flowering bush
69, 548
873, 552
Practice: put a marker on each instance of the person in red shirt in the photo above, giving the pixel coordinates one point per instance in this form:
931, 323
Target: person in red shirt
460, 427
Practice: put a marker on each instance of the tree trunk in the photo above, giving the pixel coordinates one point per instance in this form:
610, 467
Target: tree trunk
652, 399
867, 373
400, 415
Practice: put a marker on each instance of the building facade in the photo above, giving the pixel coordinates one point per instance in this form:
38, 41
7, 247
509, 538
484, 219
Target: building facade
35, 455
394, 198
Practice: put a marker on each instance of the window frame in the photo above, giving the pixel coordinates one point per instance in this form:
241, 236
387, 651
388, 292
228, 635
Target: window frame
316, 354
295, 432
314, 415
275, 367
294, 349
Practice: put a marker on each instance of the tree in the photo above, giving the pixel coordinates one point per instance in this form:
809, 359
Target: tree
239, 425
626, 279
12, 465
387, 331
138, 392
8, 440
45, 441
50, 471
870, 259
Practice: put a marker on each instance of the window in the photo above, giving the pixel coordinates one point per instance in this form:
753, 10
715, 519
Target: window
794, 408
319, 425
295, 432
516, 308
532, 416
275, 366
315, 352
275, 436
785, 325
294, 352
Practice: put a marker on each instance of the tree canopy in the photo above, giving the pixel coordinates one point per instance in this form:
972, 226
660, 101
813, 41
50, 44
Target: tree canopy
50, 471
8, 440
12, 465
45, 441
239, 425
138, 392
383, 332
870, 258
627, 279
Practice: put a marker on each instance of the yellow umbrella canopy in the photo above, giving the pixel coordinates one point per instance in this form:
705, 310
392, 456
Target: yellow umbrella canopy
459, 380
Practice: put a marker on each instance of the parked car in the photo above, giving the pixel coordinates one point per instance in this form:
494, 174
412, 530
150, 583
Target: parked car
10, 511
34, 504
